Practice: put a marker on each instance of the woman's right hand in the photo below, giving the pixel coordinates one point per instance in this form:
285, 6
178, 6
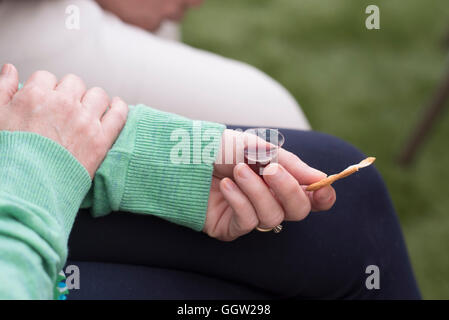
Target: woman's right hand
240, 200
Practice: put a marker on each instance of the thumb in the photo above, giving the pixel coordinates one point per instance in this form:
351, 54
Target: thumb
9, 81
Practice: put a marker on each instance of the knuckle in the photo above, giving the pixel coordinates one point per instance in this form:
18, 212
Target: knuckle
83, 122
43, 74
291, 157
122, 116
119, 119
72, 77
295, 157
274, 219
100, 95
100, 91
34, 93
291, 189
122, 111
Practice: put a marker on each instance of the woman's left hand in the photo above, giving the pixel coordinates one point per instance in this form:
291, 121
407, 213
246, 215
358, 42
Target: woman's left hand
240, 200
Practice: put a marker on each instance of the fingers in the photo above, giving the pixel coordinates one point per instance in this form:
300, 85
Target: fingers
96, 100
42, 79
72, 86
322, 199
114, 120
294, 200
9, 81
269, 211
299, 169
244, 218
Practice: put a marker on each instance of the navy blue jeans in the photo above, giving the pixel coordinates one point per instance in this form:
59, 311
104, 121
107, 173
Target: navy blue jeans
325, 256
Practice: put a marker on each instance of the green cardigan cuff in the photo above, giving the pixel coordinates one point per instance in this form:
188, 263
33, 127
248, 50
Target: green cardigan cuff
162, 165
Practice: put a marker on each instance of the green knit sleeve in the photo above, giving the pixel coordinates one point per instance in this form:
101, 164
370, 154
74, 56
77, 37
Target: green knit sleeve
41, 188
162, 165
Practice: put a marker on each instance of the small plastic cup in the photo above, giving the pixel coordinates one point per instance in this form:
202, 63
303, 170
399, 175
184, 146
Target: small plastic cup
262, 148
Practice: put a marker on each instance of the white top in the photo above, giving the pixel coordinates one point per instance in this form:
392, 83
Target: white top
141, 67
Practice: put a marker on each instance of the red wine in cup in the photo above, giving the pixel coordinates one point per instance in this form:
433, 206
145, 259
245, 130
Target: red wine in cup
259, 157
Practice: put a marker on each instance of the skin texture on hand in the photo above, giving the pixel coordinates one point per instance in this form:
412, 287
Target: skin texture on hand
64, 112
240, 200
148, 14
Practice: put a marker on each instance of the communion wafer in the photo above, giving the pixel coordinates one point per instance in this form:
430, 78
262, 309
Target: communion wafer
345, 173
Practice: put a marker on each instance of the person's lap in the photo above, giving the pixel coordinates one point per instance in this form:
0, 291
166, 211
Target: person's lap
112, 281
324, 256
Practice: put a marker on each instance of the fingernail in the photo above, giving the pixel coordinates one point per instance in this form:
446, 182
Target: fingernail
116, 100
5, 69
324, 195
243, 171
228, 184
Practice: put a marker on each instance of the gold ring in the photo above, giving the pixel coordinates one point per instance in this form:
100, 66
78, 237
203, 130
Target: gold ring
263, 229
276, 229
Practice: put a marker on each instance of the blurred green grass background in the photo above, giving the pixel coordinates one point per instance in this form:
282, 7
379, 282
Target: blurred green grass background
367, 87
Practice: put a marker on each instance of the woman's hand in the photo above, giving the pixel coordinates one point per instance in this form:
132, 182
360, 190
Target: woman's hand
240, 200
62, 111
